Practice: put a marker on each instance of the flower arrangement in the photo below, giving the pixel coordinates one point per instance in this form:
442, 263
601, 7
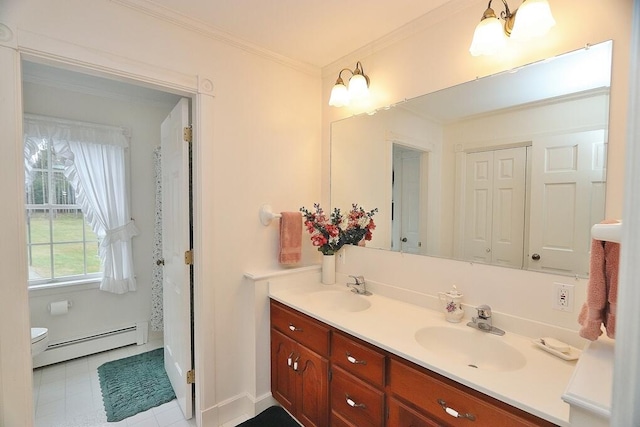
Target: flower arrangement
330, 233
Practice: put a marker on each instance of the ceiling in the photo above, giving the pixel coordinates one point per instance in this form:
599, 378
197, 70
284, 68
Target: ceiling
315, 32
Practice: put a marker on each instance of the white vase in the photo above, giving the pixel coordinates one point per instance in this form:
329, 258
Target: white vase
328, 269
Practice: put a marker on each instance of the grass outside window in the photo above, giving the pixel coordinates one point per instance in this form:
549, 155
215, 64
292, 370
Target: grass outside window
66, 237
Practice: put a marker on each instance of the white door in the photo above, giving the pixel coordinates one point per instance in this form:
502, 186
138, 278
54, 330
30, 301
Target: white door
175, 242
509, 178
409, 197
478, 207
568, 173
495, 195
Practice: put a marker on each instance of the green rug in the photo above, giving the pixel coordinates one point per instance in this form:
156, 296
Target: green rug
134, 384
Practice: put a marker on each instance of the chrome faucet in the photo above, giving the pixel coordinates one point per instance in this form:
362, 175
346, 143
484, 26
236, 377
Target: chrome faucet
359, 286
483, 321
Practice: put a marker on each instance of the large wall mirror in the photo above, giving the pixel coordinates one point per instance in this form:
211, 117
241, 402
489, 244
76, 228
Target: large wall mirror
508, 169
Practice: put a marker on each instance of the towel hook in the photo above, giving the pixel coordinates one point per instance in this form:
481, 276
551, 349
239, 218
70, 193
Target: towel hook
267, 215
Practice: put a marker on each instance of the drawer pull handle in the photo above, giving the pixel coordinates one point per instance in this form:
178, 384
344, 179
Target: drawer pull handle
295, 364
353, 404
455, 413
289, 359
293, 328
355, 361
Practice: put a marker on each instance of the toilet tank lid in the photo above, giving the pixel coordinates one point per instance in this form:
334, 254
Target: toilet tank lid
38, 334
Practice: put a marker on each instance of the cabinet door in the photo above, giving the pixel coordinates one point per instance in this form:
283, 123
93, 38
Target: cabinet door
312, 408
283, 377
401, 415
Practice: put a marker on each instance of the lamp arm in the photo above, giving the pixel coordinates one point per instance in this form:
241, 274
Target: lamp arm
509, 18
507, 13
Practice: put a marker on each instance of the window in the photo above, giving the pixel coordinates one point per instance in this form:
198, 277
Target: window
75, 168
60, 244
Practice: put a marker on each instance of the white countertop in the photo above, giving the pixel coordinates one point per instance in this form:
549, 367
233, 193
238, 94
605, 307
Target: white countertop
592, 382
391, 325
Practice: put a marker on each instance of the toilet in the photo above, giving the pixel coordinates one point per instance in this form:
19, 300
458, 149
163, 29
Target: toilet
39, 340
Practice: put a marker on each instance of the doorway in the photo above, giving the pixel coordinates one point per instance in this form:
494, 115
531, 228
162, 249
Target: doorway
409, 199
58, 92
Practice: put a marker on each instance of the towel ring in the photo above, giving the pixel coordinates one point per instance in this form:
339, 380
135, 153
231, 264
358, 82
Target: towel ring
267, 215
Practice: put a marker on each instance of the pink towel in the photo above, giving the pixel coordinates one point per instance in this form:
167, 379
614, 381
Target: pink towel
290, 238
602, 291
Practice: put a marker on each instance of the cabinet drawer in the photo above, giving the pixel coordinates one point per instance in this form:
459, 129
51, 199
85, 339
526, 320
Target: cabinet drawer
354, 400
400, 415
301, 328
357, 358
426, 390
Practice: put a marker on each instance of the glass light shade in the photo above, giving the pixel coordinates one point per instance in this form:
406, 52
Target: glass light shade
488, 37
358, 88
339, 96
533, 19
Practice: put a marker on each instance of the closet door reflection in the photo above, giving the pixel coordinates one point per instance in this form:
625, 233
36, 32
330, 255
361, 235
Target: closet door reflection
494, 214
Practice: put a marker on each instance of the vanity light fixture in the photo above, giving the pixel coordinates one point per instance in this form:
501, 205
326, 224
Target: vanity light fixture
534, 20
358, 87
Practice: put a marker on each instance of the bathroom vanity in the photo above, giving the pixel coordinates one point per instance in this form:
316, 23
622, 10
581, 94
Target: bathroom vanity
342, 359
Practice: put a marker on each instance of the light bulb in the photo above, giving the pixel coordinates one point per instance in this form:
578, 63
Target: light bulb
339, 95
488, 37
358, 88
533, 19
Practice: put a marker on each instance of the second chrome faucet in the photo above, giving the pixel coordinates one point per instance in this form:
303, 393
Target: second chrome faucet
483, 321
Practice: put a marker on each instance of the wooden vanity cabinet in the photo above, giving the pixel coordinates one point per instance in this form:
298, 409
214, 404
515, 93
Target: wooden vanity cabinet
300, 365
325, 377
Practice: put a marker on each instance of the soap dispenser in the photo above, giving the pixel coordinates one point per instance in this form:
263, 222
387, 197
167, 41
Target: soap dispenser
452, 305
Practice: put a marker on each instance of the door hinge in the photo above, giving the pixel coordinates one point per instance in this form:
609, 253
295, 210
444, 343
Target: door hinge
191, 376
187, 134
330, 375
188, 257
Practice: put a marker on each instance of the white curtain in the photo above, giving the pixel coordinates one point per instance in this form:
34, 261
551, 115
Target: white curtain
94, 159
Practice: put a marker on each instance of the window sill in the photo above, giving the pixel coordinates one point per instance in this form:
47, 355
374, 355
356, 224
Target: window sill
58, 288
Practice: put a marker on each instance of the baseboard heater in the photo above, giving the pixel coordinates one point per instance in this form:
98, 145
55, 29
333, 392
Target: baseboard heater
84, 346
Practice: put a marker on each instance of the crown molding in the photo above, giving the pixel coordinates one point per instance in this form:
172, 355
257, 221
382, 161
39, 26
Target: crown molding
173, 17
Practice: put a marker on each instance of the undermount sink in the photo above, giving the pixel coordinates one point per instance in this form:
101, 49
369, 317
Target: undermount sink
470, 347
339, 301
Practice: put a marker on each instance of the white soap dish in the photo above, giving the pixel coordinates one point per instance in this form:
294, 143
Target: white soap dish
571, 353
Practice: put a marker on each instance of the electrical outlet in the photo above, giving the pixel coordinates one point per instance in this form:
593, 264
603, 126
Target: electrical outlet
562, 297
342, 257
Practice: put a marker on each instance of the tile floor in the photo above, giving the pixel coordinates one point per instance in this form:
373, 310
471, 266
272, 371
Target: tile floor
68, 395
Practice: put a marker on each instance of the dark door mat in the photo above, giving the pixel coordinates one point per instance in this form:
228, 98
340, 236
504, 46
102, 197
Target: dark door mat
274, 416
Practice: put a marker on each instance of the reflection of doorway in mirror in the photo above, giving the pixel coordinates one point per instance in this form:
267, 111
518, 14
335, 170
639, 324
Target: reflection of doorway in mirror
409, 199
494, 190
568, 198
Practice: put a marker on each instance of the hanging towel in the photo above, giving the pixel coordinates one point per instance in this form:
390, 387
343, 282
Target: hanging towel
290, 238
602, 291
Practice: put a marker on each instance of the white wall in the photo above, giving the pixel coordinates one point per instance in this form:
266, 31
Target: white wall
258, 141
93, 310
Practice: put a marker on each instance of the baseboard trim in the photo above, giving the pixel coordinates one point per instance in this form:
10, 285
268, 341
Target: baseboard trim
242, 405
